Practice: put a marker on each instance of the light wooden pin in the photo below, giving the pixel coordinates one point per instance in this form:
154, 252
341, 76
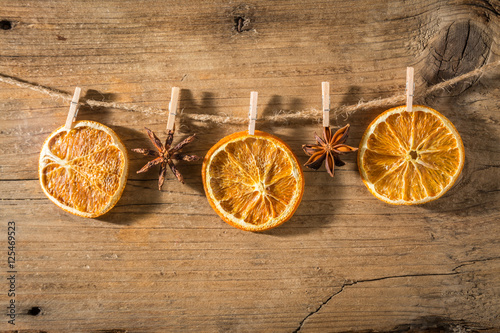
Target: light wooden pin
73, 110
172, 108
410, 87
325, 87
252, 114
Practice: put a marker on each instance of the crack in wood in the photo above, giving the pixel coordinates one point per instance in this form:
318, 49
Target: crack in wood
351, 283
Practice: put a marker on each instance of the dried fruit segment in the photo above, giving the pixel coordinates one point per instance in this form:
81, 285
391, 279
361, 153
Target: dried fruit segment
410, 157
83, 170
253, 182
399, 130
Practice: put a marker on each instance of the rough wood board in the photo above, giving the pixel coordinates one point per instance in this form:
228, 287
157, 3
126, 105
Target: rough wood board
164, 261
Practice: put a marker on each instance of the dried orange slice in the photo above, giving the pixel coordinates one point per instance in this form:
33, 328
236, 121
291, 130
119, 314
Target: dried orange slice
408, 158
84, 170
254, 182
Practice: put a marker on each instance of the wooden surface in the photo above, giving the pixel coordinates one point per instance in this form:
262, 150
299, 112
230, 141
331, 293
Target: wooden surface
164, 261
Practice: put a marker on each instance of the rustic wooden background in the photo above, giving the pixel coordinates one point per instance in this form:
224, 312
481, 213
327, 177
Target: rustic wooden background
164, 261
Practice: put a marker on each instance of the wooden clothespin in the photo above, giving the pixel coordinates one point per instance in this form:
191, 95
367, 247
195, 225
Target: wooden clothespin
410, 87
252, 114
325, 87
172, 108
73, 110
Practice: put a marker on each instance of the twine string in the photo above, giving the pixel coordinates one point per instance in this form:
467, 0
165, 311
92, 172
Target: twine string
280, 117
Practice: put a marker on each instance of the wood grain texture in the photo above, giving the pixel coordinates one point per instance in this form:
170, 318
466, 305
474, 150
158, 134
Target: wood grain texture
164, 261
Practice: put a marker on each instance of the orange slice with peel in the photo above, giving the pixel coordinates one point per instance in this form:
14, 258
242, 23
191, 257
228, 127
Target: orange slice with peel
83, 170
408, 158
254, 182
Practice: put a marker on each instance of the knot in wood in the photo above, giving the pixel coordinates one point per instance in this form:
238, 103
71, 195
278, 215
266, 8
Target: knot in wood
5, 24
462, 47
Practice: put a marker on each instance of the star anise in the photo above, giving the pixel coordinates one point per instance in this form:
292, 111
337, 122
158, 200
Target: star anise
328, 149
166, 155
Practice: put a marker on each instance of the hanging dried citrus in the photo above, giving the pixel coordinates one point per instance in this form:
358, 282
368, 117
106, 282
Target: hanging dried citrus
408, 158
84, 170
254, 182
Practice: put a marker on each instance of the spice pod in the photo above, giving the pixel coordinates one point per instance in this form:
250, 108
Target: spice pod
166, 154
328, 148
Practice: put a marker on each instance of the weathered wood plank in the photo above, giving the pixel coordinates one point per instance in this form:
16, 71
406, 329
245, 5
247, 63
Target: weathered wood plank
164, 261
